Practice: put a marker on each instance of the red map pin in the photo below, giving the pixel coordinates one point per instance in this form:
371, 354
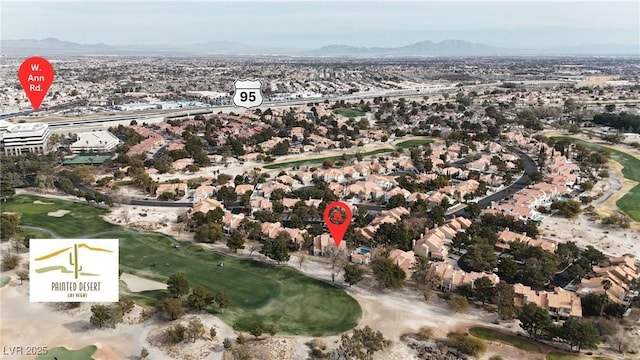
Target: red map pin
337, 216
36, 75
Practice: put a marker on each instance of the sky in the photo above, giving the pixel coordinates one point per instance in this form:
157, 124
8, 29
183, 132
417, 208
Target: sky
301, 24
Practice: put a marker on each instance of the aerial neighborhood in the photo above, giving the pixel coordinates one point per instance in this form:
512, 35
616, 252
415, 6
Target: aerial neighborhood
493, 206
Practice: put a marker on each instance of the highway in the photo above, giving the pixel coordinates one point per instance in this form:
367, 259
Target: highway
160, 115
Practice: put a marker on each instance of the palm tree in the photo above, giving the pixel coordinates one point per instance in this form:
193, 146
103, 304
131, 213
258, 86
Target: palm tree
606, 285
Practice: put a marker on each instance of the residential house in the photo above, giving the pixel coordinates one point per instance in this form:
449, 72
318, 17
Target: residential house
450, 277
323, 241
560, 303
404, 259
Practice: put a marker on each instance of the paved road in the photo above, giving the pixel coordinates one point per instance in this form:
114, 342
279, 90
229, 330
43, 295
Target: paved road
530, 167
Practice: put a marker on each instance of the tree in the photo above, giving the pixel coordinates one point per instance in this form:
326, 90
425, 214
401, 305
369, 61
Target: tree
459, 303
579, 333
360, 345
337, 255
6, 190
272, 329
124, 306
276, 250
534, 320
209, 233
483, 289
236, 241
223, 300
567, 208
10, 225
481, 257
213, 332
171, 308
199, 298
144, 353
195, 329
353, 274
256, 330
387, 273
100, 315
396, 201
178, 285
503, 299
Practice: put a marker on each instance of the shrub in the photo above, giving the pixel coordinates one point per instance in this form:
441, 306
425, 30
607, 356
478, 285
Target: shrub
10, 261
175, 334
459, 303
425, 333
466, 344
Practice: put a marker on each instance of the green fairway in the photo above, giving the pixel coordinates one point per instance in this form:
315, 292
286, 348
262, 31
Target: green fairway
350, 113
4, 280
556, 355
296, 303
499, 336
413, 143
630, 202
66, 354
320, 160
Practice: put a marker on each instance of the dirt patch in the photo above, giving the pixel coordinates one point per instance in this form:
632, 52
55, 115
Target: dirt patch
138, 284
38, 202
58, 213
609, 207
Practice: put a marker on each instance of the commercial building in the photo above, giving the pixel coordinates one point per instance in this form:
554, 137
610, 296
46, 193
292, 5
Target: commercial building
95, 141
25, 138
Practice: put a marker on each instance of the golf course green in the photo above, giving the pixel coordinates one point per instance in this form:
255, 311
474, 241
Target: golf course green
260, 293
630, 202
66, 354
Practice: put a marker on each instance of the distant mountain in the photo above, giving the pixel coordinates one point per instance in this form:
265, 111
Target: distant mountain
51, 46
446, 48
423, 48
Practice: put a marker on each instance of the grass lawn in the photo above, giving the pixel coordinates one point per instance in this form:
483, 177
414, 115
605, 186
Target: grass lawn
556, 355
4, 280
320, 160
499, 336
296, 303
413, 143
66, 354
630, 202
350, 113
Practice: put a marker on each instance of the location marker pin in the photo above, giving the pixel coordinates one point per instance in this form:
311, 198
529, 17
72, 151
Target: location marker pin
36, 75
337, 216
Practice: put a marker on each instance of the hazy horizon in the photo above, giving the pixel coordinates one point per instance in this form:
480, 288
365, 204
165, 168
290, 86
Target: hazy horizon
306, 24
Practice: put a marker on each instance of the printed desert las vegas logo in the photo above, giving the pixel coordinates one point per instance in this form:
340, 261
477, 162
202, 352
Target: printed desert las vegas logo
73, 270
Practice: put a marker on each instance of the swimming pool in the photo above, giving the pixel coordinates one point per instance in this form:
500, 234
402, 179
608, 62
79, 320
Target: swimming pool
363, 251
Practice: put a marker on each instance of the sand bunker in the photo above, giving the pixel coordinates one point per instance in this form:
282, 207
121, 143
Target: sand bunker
137, 283
42, 203
58, 213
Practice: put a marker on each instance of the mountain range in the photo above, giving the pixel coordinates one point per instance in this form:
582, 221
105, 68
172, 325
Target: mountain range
446, 48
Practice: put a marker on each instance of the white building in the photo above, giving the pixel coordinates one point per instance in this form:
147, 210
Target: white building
25, 138
95, 141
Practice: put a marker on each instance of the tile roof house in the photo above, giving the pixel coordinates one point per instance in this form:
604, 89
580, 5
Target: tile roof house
178, 188
620, 272
324, 241
404, 259
560, 303
451, 278
205, 206
202, 192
